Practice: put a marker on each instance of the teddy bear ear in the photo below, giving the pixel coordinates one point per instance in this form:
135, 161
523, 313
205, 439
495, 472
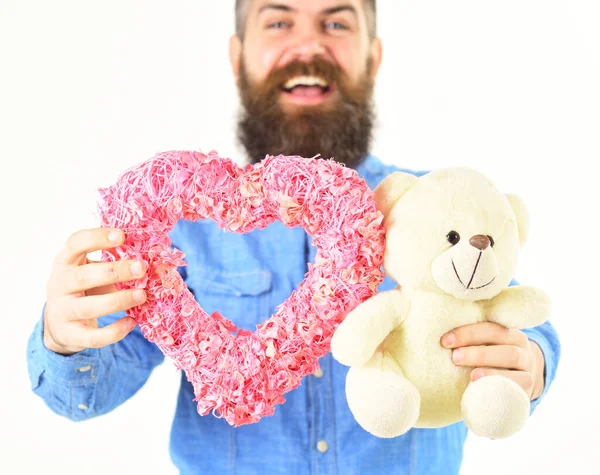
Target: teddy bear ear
520, 210
391, 189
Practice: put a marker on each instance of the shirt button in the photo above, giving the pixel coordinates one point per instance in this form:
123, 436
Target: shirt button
322, 446
318, 373
83, 369
82, 406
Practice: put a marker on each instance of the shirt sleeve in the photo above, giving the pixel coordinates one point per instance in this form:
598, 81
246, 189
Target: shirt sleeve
94, 381
546, 337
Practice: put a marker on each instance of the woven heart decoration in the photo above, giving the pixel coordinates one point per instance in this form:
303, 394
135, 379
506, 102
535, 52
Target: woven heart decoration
237, 374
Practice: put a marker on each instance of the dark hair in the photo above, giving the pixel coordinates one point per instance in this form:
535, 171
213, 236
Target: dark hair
241, 11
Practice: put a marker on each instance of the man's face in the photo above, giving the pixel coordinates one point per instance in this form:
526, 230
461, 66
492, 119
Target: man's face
305, 71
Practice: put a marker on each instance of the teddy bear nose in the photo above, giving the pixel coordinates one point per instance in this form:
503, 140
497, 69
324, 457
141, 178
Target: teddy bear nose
480, 241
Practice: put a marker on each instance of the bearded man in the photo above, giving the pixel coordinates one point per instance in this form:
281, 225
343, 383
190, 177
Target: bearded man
305, 71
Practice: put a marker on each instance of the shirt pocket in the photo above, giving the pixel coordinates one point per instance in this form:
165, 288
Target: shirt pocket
242, 296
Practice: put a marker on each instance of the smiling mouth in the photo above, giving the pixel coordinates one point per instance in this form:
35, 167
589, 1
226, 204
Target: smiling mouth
306, 89
467, 287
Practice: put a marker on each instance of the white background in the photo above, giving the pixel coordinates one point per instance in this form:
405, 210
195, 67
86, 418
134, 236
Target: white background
89, 88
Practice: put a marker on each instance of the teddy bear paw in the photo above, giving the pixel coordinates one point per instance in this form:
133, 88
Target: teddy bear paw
495, 407
384, 403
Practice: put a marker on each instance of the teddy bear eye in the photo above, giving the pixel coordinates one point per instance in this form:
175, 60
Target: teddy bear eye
453, 237
492, 242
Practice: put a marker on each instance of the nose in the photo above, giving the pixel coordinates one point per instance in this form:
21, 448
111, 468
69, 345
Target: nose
305, 49
480, 242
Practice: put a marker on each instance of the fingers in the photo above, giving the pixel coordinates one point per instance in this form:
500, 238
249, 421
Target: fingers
80, 336
522, 378
90, 276
70, 323
88, 240
496, 356
484, 333
94, 306
104, 289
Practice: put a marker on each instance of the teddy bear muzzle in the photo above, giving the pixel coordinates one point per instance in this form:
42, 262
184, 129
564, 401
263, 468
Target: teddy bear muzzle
468, 269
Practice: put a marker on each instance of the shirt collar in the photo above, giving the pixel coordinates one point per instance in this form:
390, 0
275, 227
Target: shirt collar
370, 166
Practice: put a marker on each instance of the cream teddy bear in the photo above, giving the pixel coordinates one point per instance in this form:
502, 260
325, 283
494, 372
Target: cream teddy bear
452, 246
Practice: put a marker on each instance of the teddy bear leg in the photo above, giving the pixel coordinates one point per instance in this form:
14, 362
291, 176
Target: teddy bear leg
495, 407
381, 399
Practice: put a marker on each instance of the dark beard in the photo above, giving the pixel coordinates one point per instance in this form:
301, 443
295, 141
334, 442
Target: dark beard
341, 130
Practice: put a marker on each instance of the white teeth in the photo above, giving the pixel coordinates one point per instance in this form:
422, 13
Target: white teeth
305, 81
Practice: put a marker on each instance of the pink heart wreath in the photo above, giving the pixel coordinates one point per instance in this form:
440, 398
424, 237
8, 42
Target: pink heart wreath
238, 374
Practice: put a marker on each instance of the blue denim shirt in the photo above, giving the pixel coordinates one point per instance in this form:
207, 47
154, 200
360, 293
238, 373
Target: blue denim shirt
245, 277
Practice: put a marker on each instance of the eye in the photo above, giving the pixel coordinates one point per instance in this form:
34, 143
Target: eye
277, 25
334, 25
453, 237
492, 242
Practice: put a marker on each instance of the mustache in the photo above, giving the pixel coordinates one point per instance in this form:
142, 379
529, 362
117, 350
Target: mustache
267, 93
317, 67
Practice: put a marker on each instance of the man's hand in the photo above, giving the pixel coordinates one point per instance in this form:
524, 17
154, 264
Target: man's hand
490, 348
79, 291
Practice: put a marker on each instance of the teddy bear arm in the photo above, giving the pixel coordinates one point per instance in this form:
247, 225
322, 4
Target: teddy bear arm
364, 329
519, 307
